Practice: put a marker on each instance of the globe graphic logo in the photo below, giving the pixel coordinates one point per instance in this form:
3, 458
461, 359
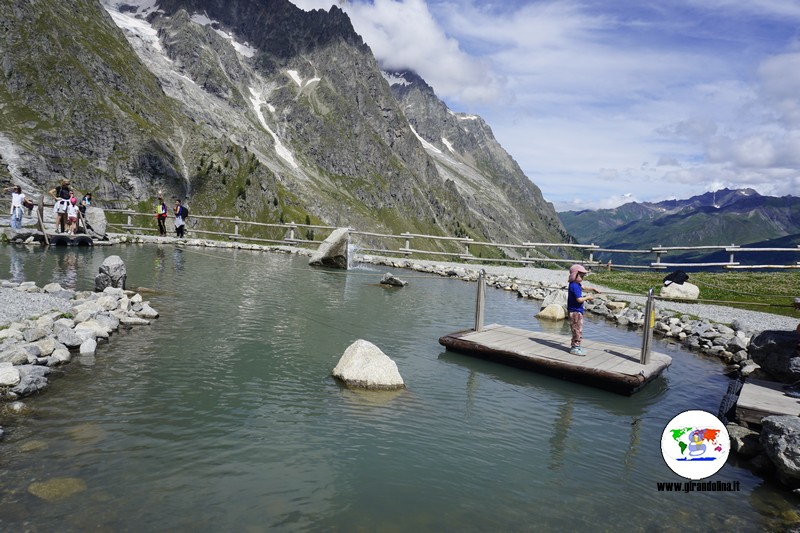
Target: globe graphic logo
695, 444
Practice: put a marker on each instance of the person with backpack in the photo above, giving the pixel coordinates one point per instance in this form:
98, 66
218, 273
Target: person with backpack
181, 214
161, 216
61, 197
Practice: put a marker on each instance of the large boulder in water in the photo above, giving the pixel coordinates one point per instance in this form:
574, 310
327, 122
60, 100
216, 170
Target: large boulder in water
364, 366
113, 273
333, 250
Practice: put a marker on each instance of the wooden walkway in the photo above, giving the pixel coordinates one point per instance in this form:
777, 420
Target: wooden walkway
606, 366
760, 398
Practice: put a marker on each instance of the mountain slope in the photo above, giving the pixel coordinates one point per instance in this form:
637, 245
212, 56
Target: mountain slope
253, 108
723, 217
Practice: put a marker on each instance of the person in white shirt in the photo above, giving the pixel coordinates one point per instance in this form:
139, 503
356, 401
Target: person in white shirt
72, 215
16, 206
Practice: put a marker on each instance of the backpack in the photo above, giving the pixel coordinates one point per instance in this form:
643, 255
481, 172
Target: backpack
62, 192
184, 213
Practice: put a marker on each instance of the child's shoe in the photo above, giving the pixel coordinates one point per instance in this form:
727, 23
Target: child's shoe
576, 350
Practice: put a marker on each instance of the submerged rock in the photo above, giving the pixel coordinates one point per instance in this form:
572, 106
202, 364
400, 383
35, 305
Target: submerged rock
363, 365
390, 279
57, 488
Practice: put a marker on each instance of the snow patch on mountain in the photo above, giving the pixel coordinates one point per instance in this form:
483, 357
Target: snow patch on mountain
242, 48
394, 79
257, 100
133, 26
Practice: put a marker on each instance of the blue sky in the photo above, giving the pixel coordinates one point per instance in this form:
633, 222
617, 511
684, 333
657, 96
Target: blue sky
602, 102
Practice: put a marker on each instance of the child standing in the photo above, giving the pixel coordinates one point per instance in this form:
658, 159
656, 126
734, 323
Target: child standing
72, 215
575, 300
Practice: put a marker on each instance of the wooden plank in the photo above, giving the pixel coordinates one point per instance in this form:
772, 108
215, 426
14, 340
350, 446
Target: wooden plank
760, 398
606, 366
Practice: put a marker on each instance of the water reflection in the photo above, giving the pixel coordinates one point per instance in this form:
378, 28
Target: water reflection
65, 272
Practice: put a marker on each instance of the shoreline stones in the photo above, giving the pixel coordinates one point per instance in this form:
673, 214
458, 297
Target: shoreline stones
30, 348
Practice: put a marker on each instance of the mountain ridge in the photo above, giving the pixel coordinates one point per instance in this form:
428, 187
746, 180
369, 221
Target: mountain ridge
253, 108
726, 216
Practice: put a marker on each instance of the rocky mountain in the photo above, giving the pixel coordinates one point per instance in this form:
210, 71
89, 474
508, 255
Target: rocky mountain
740, 216
248, 107
724, 216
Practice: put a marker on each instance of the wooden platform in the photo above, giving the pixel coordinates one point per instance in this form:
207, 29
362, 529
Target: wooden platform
760, 398
606, 366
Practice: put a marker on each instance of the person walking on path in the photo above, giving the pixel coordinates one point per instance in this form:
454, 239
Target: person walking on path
16, 205
161, 216
575, 300
61, 197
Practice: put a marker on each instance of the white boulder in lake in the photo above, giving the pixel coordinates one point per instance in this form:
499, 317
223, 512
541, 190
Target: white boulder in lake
680, 291
363, 365
553, 312
333, 250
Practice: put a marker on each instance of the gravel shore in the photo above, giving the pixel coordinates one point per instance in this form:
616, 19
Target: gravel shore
750, 320
18, 305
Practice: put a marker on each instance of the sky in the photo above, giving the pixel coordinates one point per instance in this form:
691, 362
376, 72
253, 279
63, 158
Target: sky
603, 102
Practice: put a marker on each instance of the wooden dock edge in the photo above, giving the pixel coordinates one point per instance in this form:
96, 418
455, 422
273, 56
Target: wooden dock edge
610, 381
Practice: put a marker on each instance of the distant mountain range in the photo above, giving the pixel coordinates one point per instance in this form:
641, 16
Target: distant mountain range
740, 216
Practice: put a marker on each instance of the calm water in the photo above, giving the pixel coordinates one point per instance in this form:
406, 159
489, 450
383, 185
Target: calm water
222, 415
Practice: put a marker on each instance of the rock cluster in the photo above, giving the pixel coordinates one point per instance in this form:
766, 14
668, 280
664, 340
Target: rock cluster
30, 348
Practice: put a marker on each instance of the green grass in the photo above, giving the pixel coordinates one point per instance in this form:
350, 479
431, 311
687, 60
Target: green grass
768, 292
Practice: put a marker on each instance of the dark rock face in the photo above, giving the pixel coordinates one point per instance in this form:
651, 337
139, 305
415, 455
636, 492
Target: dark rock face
777, 353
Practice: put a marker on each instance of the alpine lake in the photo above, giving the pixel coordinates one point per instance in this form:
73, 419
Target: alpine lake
222, 415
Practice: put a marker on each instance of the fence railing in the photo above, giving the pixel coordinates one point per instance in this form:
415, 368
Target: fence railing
458, 248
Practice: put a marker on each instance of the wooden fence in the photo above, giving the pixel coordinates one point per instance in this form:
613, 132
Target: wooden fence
412, 244
527, 253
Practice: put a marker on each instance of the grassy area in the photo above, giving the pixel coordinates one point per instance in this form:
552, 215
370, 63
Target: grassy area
769, 292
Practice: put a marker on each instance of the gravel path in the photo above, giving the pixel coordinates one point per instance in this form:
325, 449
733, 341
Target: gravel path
18, 305
750, 320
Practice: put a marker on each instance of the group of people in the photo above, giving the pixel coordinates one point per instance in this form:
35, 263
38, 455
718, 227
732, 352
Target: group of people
66, 207
181, 214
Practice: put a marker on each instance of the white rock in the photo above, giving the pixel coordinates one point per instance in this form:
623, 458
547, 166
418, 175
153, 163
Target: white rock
684, 291
364, 365
9, 376
52, 287
88, 347
553, 312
